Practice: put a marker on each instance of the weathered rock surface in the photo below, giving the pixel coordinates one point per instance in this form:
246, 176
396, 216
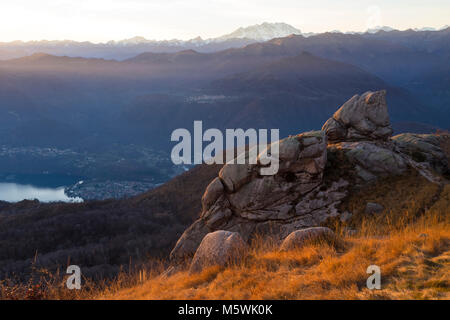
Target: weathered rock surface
212, 192
363, 117
189, 241
308, 188
424, 148
242, 200
373, 159
299, 238
218, 248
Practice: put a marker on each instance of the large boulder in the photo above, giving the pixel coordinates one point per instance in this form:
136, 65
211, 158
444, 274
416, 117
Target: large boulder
300, 238
373, 160
425, 148
363, 117
218, 248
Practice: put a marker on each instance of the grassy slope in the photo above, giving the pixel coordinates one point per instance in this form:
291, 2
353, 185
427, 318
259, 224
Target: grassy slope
411, 245
412, 268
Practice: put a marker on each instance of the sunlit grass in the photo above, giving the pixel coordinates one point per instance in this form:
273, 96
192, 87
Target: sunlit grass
410, 242
412, 267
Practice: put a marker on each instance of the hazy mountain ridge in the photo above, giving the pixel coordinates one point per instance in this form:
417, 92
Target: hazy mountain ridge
304, 74
128, 48
85, 104
46, 86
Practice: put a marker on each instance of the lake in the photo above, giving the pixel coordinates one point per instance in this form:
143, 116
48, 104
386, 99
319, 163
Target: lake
13, 192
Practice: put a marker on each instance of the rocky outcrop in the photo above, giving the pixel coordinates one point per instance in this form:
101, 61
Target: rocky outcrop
242, 200
316, 171
424, 148
372, 160
300, 238
361, 130
218, 248
363, 117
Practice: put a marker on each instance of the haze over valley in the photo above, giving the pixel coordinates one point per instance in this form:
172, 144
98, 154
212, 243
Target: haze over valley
108, 121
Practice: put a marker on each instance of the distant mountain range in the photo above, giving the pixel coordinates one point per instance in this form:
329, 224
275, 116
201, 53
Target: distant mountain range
293, 83
128, 48
389, 29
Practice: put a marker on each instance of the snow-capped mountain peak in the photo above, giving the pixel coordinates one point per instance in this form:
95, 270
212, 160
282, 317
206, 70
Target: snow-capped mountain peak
425, 29
380, 28
262, 32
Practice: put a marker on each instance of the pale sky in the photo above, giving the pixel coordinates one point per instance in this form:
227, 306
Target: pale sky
103, 20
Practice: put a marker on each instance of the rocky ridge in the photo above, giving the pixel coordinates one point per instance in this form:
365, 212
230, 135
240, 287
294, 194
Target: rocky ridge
317, 170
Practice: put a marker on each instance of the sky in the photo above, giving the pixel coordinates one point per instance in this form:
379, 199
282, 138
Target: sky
103, 20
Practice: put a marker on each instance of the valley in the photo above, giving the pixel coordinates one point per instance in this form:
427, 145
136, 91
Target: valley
363, 128
115, 172
109, 121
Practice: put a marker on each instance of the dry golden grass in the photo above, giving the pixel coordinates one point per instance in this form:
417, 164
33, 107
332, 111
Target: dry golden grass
410, 242
412, 267
391, 240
